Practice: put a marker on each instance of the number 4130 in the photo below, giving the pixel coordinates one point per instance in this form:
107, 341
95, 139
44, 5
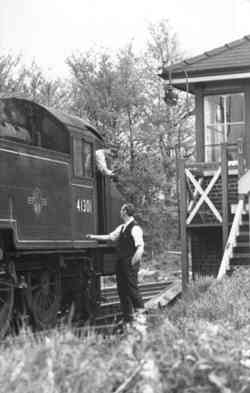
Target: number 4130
84, 206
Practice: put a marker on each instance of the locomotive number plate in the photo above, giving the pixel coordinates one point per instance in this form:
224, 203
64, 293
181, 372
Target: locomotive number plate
84, 206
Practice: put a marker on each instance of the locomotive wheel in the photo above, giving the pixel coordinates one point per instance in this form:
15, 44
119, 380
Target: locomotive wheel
6, 304
46, 298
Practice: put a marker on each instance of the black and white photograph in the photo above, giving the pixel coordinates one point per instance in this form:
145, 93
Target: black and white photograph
124, 196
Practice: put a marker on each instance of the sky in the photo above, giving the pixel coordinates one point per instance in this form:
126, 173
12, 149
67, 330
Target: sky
48, 31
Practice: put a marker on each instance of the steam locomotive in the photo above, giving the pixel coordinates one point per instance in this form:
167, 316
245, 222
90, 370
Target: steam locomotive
51, 196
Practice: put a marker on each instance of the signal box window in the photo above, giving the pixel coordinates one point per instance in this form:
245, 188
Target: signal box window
83, 158
224, 122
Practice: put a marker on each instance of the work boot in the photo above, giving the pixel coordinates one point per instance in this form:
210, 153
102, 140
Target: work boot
124, 325
140, 315
140, 322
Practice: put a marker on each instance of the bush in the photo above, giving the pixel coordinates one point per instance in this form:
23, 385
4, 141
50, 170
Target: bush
212, 300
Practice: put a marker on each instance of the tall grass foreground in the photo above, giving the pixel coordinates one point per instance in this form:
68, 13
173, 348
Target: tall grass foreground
201, 344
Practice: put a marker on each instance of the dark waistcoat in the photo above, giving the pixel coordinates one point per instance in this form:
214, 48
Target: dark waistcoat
126, 246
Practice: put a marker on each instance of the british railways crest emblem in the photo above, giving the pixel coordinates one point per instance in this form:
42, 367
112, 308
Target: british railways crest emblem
37, 201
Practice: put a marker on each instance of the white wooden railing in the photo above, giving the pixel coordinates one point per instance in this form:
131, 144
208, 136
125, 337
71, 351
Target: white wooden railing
231, 242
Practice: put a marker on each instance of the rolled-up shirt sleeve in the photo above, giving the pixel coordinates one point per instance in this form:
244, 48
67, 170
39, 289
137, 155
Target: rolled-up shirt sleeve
115, 234
137, 234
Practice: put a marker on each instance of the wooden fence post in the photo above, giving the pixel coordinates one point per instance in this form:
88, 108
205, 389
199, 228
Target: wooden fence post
177, 156
240, 157
183, 215
224, 185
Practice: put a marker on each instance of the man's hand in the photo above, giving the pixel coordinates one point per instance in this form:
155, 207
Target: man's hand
135, 260
97, 237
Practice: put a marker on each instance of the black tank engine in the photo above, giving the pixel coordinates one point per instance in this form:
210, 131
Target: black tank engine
51, 196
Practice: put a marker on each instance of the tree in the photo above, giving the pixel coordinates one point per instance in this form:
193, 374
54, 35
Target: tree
123, 96
108, 90
31, 82
165, 127
92, 90
9, 73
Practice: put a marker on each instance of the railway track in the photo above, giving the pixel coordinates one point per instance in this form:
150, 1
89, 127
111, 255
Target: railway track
110, 311
108, 316
148, 290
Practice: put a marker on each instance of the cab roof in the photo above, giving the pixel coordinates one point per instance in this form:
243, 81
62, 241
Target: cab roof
64, 118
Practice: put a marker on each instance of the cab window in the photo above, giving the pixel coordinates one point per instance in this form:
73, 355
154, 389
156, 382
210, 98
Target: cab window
13, 123
83, 158
23, 122
53, 135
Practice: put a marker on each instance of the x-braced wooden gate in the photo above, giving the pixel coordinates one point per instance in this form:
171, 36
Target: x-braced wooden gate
197, 181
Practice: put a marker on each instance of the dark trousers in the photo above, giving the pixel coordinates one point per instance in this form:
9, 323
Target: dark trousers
127, 287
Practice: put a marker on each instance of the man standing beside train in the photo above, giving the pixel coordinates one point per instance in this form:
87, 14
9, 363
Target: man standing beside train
130, 248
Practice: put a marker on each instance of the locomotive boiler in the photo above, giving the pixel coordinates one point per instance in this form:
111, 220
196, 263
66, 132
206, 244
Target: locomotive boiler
51, 196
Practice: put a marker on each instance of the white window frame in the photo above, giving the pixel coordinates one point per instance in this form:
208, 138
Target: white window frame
224, 124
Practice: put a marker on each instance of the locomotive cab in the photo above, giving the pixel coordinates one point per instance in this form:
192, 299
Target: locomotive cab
55, 194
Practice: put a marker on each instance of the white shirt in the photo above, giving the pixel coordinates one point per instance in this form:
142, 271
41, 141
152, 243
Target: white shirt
136, 233
102, 163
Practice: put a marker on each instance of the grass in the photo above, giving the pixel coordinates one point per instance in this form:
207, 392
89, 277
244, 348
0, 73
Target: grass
202, 344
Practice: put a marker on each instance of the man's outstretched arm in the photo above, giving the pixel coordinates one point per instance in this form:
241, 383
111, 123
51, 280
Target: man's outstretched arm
113, 236
98, 237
